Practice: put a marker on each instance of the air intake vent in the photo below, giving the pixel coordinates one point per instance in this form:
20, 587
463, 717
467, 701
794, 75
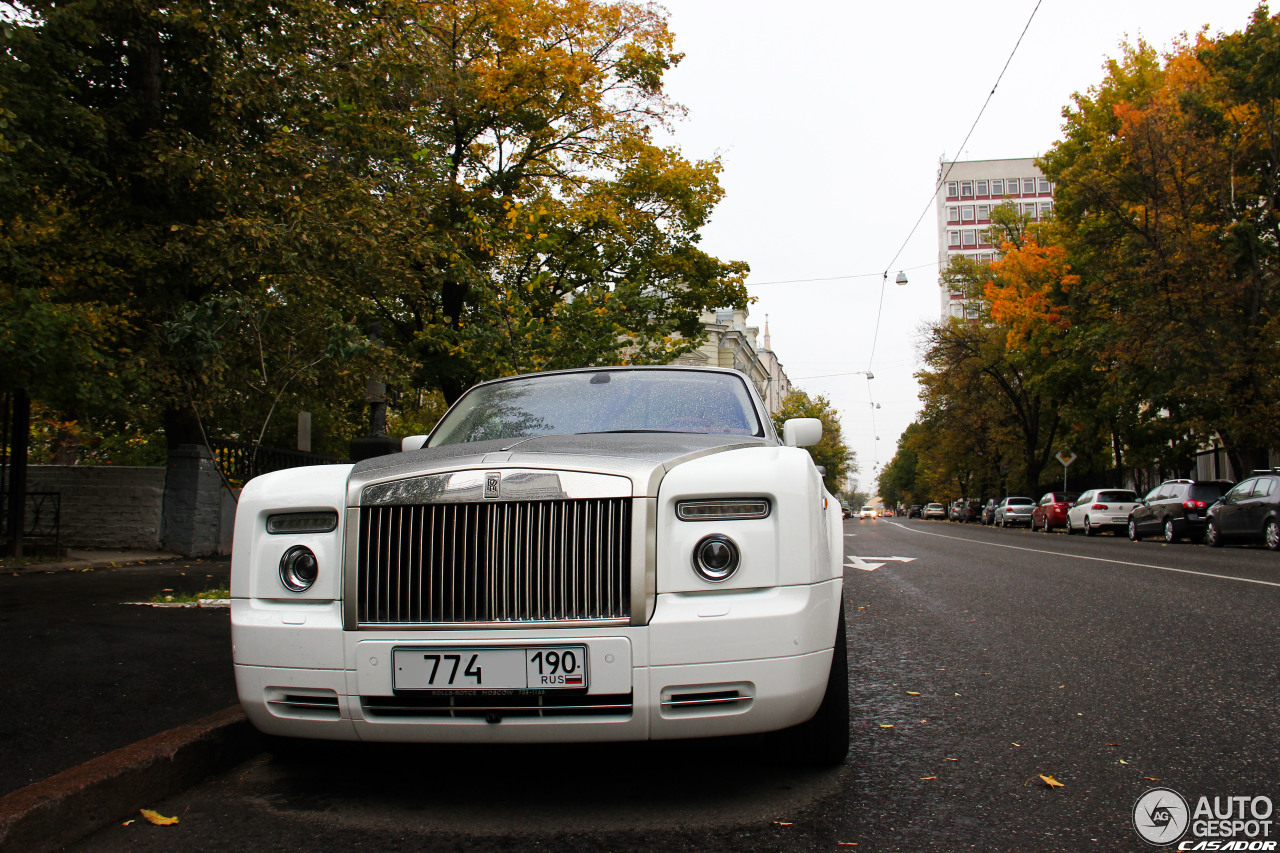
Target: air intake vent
493, 708
303, 704
706, 700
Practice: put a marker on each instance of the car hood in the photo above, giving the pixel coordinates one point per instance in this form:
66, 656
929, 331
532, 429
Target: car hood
642, 457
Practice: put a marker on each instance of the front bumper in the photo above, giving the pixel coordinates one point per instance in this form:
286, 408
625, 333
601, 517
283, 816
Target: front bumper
707, 664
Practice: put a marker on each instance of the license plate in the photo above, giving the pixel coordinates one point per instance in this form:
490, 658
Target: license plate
450, 668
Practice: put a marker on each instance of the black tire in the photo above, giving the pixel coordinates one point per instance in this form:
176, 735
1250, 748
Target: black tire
1071, 531
1271, 534
1170, 534
823, 741
1088, 528
1212, 536
1134, 535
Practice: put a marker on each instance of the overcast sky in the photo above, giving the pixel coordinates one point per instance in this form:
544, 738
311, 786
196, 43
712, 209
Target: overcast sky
831, 117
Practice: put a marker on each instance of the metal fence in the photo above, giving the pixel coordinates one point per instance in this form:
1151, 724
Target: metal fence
241, 461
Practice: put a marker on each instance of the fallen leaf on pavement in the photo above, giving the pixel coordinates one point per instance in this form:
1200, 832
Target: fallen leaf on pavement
157, 818
1051, 782
886, 725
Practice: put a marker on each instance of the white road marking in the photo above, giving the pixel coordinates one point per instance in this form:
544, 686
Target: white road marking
853, 562
1090, 559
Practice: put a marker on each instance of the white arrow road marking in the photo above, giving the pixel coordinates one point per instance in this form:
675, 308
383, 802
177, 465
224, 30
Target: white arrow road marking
863, 563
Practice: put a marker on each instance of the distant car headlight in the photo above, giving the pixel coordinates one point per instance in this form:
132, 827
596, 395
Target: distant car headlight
303, 522
299, 568
716, 558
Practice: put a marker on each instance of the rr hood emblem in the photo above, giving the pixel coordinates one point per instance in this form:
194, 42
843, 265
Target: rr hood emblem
492, 485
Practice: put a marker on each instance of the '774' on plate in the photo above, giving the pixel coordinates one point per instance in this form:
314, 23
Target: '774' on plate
530, 668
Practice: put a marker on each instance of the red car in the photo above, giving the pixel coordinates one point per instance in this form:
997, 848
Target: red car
1051, 511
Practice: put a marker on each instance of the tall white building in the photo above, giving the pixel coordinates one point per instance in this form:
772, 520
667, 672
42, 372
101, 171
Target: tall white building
968, 192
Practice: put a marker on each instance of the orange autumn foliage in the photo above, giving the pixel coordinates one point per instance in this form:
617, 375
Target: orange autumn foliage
1027, 294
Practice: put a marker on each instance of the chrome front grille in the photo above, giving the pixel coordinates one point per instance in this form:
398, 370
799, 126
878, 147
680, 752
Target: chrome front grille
494, 562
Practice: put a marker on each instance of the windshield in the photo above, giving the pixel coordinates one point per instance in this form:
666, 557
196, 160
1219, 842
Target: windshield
602, 401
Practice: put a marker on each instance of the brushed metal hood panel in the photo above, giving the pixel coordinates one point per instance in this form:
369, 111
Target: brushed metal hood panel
641, 457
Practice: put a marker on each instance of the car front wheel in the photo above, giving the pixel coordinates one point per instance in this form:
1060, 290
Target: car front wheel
1212, 536
1134, 535
823, 741
1271, 534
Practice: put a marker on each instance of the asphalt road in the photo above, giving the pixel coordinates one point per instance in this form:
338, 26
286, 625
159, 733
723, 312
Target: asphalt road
83, 673
984, 661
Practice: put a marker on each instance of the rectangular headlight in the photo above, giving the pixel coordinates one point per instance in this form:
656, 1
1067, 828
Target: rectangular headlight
720, 510
302, 522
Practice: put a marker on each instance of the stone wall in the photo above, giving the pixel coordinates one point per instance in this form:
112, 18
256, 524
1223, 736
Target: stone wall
104, 506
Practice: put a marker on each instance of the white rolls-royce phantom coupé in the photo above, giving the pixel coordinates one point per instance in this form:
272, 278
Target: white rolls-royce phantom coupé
606, 554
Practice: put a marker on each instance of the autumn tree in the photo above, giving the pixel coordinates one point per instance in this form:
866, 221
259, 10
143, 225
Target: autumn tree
830, 453
1168, 195
563, 235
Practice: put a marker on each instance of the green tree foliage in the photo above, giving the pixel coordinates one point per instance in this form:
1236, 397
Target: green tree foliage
204, 209
831, 453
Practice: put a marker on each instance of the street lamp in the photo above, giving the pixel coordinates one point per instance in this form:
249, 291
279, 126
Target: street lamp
902, 277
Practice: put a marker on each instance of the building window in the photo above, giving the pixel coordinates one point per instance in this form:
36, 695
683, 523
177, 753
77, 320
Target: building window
966, 189
953, 239
957, 311
1013, 186
1045, 209
1028, 186
982, 187
966, 213
953, 189
984, 237
1029, 210
997, 187
1045, 189
953, 213
970, 311
984, 212
986, 257
970, 239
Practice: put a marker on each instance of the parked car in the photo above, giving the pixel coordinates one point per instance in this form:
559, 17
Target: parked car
955, 512
1249, 512
1051, 511
1014, 512
989, 512
1176, 509
846, 511
540, 568
916, 511
1101, 509
935, 510
969, 511
867, 512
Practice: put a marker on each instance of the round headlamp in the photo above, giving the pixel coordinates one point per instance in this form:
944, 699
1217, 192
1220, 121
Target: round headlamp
299, 568
716, 558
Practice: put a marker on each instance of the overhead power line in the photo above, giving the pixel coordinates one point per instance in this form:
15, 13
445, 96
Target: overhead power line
943, 177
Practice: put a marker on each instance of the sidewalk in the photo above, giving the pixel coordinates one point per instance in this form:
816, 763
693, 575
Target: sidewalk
80, 559
90, 677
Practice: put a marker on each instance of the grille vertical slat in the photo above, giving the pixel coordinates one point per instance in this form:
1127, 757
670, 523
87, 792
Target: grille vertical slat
503, 562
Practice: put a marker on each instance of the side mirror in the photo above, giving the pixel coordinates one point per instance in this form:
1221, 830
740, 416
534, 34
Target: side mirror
412, 442
801, 432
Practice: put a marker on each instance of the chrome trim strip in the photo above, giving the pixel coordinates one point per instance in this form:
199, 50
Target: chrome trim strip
518, 484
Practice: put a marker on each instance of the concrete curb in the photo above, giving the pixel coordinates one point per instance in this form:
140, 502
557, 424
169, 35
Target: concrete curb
79, 561
49, 815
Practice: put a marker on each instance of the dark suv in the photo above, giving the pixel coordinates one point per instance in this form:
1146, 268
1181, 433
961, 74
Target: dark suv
1176, 509
1250, 512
